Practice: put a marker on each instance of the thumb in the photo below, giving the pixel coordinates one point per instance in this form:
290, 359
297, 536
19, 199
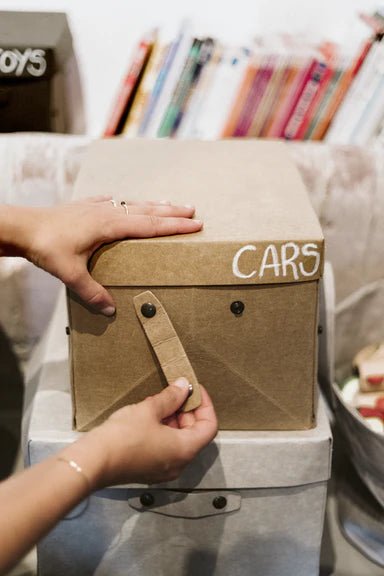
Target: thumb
93, 294
171, 398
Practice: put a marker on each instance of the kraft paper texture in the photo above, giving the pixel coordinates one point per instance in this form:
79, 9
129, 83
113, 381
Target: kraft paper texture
261, 246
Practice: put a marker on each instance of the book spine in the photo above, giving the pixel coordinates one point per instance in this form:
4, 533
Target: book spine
352, 105
341, 89
324, 105
374, 108
228, 79
135, 115
191, 125
126, 91
301, 70
181, 90
240, 101
258, 88
205, 55
171, 77
269, 98
364, 133
317, 100
308, 93
168, 58
272, 120
335, 100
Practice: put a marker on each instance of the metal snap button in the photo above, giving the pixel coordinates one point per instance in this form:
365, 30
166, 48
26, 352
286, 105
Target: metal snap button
237, 308
147, 499
219, 502
148, 310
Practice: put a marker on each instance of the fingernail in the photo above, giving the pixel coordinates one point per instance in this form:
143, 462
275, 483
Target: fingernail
181, 383
188, 206
199, 222
164, 202
108, 311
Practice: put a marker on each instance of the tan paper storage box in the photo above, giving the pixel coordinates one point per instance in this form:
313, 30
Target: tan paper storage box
242, 294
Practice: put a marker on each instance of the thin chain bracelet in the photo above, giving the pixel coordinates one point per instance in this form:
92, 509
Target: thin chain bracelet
78, 469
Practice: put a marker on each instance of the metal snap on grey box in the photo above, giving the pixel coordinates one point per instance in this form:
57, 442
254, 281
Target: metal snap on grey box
252, 503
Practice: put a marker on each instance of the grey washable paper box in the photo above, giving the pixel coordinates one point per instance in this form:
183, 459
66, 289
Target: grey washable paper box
252, 503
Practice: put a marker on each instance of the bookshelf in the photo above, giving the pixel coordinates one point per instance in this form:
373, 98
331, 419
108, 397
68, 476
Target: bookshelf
104, 33
277, 86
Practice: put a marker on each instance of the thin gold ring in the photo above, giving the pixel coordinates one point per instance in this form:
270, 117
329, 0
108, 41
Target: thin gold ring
124, 205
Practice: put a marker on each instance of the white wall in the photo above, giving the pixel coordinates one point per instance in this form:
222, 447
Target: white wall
105, 31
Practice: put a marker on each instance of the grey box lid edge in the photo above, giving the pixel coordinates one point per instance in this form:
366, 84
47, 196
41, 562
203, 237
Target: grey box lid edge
234, 460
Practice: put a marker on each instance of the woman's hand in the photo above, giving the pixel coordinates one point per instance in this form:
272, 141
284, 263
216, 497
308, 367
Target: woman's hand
134, 445
146, 442
61, 239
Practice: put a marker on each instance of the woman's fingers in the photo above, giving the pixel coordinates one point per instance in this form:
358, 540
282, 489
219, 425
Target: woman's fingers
147, 208
91, 292
203, 412
149, 226
167, 402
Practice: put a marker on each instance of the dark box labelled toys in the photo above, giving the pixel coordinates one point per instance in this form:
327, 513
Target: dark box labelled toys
40, 89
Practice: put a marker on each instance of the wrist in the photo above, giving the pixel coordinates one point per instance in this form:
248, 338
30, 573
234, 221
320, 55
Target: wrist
18, 226
88, 454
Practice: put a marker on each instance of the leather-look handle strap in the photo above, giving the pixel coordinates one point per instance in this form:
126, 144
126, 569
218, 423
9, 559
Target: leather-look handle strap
166, 344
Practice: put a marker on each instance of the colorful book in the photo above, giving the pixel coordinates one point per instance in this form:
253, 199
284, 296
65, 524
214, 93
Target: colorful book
241, 97
309, 90
166, 82
373, 110
337, 71
299, 70
189, 126
205, 54
271, 95
347, 75
291, 72
255, 94
144, 90
130, 83
353, 104
318, 98
219, 100
179, 97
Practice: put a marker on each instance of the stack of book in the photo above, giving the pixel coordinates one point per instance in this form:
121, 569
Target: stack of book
280, 87
360, 118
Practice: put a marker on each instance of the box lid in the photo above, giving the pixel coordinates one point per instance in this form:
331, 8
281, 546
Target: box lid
259, 225
236, 459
